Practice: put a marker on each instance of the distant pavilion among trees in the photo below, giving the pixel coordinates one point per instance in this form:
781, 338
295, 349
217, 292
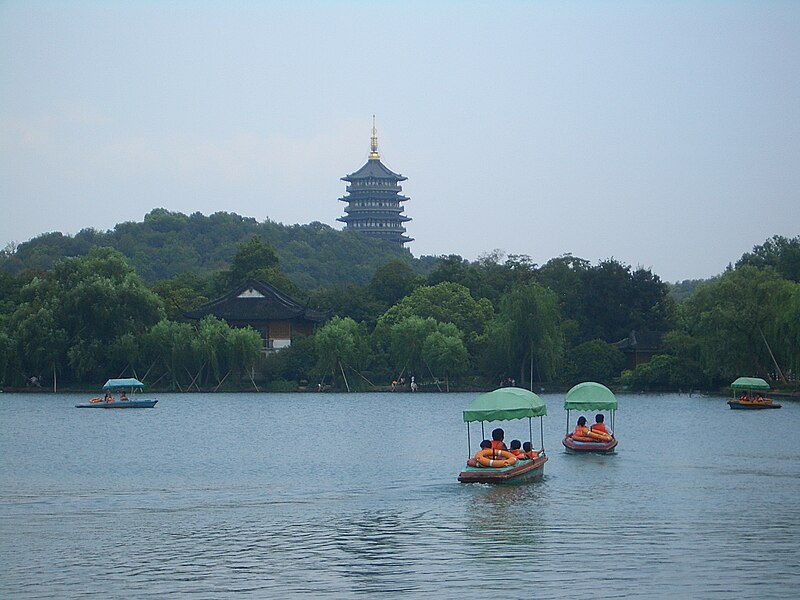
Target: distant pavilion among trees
256, 304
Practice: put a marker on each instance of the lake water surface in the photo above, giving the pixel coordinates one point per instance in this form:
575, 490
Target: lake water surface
355, 495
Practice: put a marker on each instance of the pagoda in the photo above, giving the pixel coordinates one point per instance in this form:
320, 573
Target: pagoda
374, 204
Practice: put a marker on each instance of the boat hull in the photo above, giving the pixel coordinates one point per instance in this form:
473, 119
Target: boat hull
739, 405
522, 472
119, 404
596, 447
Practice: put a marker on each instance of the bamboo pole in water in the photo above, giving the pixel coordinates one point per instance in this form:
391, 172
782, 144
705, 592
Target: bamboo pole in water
775, 362
347, 385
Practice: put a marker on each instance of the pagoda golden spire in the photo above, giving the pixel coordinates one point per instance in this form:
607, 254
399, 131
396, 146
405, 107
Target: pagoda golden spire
373, 155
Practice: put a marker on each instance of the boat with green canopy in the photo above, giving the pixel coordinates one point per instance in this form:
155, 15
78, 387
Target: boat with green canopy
596, 398
121, 386
502, 466
750, 398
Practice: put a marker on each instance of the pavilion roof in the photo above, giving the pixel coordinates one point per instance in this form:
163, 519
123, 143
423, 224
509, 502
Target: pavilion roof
257, 301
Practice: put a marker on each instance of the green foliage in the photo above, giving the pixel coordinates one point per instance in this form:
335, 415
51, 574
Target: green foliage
779, 253
732, 317
407, 339
348, 300
445, 303
181, 294
609, 300
172, 356
295, 363
594, 360
392, 282
487, 278
445, 353
167, 244
254, 259
77, 307
617, 301
527, 332
683, 290
340, 343
72, 318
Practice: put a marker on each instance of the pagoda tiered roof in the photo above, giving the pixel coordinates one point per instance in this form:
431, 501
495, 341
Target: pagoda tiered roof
374, 168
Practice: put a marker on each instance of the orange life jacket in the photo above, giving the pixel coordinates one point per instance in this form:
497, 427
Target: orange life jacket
498, 445
581, 430
518, 453
601, 427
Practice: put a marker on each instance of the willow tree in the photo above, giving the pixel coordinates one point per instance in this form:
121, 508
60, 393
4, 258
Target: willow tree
339, 343
444, 353
527, 332
72, 318
736, 321
445, 303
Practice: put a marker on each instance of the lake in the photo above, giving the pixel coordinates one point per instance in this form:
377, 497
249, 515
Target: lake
355, 495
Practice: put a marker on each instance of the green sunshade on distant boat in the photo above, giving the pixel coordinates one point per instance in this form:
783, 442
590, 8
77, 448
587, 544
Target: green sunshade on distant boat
115, 384
505, 404
590, 396
750, 383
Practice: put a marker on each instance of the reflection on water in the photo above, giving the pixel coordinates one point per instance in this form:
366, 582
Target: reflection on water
204, 496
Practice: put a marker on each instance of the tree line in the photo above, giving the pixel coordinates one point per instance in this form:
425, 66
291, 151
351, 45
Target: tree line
450, 323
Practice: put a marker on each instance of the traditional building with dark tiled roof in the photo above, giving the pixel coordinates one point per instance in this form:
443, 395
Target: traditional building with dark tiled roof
374, 204
639, 347
267, 310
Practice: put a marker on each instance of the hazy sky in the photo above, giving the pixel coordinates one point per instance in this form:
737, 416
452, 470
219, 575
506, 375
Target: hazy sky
663, 134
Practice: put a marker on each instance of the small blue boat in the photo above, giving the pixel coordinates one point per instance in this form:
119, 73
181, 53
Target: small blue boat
119, 385
751, 398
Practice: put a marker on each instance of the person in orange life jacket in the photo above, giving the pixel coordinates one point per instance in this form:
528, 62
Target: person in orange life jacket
109, 397
581, 428
527, 448
497, 439
123, 396
516, 449
599, 426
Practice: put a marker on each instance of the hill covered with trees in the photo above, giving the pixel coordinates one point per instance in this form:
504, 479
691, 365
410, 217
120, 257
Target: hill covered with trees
83, 308
168, 244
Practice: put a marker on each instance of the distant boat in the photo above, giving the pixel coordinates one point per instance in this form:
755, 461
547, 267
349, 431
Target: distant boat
119, 385
500, 466
751, 398
592, 397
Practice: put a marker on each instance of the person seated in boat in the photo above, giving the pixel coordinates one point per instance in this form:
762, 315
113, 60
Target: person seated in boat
473, 462
744, 398
497, 439
599, 425
527, 449
516, 449
580, 427
123, 397
484, 445
109, 397
759, 398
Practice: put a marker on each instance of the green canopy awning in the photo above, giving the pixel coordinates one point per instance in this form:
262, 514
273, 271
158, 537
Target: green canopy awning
505, 404
750, 383
590, 396
115, 384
